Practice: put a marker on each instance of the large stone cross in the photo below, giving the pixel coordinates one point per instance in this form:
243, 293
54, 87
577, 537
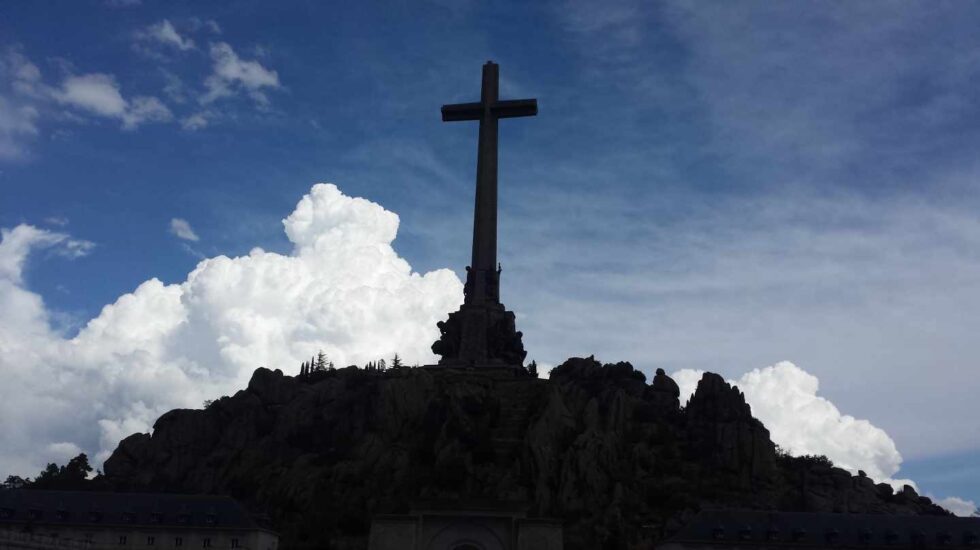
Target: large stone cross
481, 278
483, 333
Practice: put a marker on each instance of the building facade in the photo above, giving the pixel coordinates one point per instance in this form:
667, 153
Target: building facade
31, 519
472, 527
750, 529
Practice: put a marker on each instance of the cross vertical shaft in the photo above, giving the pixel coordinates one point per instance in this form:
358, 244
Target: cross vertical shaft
484, 262
482, 284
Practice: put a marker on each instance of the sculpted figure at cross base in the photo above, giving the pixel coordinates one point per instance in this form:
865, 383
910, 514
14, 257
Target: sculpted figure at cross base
483, 332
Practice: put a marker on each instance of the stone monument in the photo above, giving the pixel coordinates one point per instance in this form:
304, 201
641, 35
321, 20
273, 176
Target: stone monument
482, 333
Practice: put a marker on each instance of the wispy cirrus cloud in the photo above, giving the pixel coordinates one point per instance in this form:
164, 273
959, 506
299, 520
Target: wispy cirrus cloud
196, 121
100, 94
20, 81
231, 74
162, 34
816, 202
182, 229
122, 3
19, 241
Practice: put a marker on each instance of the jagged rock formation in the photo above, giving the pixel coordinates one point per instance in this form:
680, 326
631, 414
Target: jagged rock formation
618, 459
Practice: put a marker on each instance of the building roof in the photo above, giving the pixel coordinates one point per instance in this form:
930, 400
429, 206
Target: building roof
470, 506
77, 508
755, 528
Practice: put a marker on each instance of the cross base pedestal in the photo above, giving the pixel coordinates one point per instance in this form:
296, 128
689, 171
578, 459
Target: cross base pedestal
480, 336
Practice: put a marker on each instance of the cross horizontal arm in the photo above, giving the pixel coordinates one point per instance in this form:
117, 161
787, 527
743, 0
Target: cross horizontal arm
462, 111
515, 108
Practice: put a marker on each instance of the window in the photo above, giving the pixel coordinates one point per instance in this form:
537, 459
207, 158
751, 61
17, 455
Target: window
183, 518
210, 519
35, 514
122, 539
95, 517
61, 514
6, 513
207, 543
179, 541
234, 543
129, 517
156, 517
150, 541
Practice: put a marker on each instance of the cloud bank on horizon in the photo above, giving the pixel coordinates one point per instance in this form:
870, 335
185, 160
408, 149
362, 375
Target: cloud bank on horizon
342, 289
784, 397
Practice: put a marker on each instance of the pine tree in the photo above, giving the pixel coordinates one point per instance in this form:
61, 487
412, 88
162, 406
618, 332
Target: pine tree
396, 362
77, 469
381, 364
321, 361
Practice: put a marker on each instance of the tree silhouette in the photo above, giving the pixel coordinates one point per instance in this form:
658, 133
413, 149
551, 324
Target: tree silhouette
73, 475
78, 468
15, 482
48, 477
321, 362
396, 362
532, 368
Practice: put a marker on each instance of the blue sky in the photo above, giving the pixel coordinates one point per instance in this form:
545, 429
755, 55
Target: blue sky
708, 185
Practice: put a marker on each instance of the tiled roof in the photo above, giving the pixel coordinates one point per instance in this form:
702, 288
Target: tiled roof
20, 506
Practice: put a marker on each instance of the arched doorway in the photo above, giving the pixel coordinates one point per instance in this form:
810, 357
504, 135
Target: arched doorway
469, 534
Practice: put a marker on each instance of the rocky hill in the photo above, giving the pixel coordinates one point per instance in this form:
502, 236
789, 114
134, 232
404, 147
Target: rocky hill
617, 458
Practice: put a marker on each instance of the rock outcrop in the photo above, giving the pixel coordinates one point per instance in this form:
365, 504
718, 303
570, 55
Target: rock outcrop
619, 460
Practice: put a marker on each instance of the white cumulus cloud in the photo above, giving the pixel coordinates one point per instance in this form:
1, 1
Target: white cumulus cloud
183, 230
342, 289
